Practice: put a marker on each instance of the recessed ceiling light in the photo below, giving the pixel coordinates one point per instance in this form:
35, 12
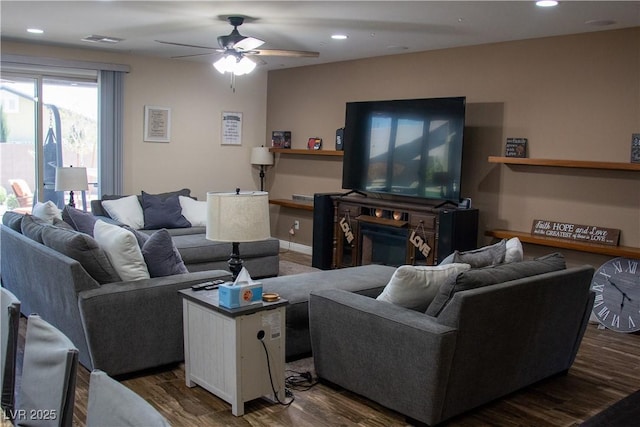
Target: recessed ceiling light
339, 36
546, 3
35, 30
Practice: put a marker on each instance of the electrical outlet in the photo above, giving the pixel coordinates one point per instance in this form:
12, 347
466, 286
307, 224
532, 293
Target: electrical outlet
296, 224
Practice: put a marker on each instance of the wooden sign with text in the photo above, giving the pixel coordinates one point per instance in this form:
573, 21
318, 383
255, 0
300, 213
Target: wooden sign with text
581, 233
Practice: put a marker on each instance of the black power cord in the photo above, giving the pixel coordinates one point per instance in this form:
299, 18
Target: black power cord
287, 392
301, 381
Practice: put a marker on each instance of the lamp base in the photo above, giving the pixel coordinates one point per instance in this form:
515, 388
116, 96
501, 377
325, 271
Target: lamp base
235, 263
72, 202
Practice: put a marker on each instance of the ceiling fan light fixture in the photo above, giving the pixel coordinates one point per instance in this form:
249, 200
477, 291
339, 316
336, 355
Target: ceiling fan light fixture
244, 66
230, 64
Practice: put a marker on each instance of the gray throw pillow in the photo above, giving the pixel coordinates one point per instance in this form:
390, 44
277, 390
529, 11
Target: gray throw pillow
483, 257
32, 227
79, 220
13, 220
161, 255
84, 249
162, 213
477, 278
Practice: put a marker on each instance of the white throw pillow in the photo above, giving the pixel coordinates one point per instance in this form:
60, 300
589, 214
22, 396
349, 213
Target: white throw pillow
126, 210
122, 250
514, 251
47, 211
194, 211
415, 287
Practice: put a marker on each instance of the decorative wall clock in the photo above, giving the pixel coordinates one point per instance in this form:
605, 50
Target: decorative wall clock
617, 287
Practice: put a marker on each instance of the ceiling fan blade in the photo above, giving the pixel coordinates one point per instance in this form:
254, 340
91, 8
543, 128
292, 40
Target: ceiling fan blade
248, 43
279, 52
186, 45
193, 55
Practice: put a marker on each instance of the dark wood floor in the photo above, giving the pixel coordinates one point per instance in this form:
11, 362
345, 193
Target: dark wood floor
606, 370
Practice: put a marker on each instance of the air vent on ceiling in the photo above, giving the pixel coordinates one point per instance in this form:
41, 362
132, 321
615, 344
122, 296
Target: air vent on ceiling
101, 39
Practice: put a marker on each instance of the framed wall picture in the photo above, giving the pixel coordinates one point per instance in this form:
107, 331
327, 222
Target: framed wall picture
231, 128
157, 124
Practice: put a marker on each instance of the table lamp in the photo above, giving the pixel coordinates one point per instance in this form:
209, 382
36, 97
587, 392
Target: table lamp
70, 179
237, 217
262, 157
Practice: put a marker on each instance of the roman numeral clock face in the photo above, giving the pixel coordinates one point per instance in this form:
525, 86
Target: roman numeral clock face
617, 287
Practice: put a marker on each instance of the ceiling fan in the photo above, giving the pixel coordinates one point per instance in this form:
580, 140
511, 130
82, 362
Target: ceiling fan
236, 47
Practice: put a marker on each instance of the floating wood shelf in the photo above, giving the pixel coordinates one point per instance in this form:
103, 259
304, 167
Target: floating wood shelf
294, 204
331, 153
616, 251
566, 163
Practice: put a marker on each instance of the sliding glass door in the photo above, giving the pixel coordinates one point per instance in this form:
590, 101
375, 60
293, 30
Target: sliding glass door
45, 122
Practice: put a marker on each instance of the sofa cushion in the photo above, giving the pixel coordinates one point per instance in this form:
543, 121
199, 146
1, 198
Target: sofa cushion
161, 212
415, 287
122, 249
161, 256
13, 220
32, 227
126, 210
477, 278
79, 220
84, 249
46, 211
483, 257
194, 211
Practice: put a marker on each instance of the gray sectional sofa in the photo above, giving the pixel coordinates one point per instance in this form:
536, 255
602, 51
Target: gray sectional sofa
488, 333
260, 258
118, 327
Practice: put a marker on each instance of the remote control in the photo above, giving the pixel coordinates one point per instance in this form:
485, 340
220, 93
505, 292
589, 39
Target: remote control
207, 285
201, 286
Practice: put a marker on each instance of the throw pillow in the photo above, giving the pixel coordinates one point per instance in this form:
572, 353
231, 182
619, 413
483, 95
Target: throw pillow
122, 249
162, 213
161, 255
415, 287
79, 220
32, 227
140, 236
47, 211
13, 220
194, 211
477, 278
84, 249
483, 257
513, 250
126, 210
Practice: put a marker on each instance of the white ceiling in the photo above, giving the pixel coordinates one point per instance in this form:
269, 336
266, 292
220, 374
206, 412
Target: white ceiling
375, 28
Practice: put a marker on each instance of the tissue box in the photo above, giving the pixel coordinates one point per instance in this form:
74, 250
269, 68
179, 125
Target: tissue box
234, 296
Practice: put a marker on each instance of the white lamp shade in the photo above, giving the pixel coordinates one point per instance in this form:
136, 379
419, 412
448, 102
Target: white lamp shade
261, 156
70, 178
242, 217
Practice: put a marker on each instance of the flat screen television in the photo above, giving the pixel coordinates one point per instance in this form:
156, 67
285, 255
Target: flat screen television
408, 147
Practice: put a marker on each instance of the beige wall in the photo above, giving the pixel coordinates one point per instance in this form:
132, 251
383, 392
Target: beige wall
197, 95
574, 97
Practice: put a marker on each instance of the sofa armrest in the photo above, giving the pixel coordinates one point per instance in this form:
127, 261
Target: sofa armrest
372, 347
137, 325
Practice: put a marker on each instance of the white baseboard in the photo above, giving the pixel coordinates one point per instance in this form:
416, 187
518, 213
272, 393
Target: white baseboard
295, 247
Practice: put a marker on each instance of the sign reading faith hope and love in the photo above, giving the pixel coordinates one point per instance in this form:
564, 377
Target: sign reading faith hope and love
569, 231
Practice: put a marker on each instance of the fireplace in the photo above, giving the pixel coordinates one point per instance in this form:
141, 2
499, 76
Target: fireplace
383, 244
